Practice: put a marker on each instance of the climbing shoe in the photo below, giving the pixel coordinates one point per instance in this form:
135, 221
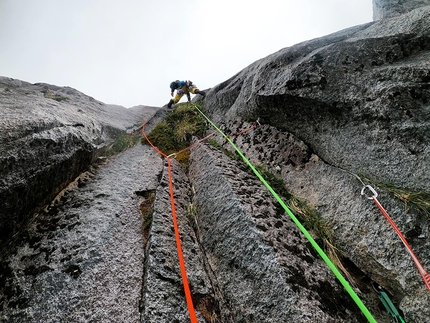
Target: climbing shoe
169, 105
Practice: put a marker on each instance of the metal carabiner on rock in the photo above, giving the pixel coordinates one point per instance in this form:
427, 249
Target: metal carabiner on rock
371, 189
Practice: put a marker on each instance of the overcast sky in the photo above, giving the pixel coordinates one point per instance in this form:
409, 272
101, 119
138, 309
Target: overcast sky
127, 52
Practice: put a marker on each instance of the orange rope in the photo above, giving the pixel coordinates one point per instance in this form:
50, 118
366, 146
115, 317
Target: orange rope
425, 276
188, 297
147, 139
254, 125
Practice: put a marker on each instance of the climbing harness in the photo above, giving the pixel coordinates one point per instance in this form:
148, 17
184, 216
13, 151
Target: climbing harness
388, 304
187, 291
322, 254
425, 276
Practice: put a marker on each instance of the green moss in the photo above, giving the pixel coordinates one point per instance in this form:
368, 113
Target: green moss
122, 143
176, 131
163, 137
417, 200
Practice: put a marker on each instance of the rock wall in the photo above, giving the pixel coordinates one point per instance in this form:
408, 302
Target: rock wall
391, 8
352, 103
359, 97
264, 268
163, 297
335, 111
81, 259
51, 132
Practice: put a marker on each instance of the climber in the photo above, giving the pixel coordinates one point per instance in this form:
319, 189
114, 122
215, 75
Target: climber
183, 87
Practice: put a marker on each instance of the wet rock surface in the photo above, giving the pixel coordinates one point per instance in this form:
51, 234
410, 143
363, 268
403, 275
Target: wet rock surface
81, 260
264, 267
163, 291
51, 132
359, 98
354, 102
363, 235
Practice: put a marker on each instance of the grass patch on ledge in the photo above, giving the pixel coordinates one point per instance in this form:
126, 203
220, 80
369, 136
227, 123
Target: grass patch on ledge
175, 132
121, 143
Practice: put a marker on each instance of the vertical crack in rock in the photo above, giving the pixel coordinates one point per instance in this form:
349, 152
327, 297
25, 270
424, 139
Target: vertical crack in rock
81, 259
163, 297
263, 265
366, 239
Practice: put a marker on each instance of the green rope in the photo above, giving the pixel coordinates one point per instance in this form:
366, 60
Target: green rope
333, 268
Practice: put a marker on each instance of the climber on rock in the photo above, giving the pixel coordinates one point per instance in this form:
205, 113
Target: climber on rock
183, 87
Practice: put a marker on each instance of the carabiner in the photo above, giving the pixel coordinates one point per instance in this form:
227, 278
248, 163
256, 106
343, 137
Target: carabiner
372, 190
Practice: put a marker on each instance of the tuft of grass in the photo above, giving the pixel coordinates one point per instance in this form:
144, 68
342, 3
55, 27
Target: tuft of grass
121, 143
305, 213
418, 200
60, 98
50, 95
191, 211
176, 131
309, 217
274, 181
163, 137
186, 122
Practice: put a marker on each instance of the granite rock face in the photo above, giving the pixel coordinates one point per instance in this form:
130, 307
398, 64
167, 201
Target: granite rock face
356, 102
263, 266
81, 259
392, 8
163, 292
359, 98
51, 132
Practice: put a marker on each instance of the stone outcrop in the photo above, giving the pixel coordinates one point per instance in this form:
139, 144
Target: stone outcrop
392, 8
354, 102
50, 132
263, 266
370, 81
81, 259
163, 292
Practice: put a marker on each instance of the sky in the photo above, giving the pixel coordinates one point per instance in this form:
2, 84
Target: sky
126, 52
